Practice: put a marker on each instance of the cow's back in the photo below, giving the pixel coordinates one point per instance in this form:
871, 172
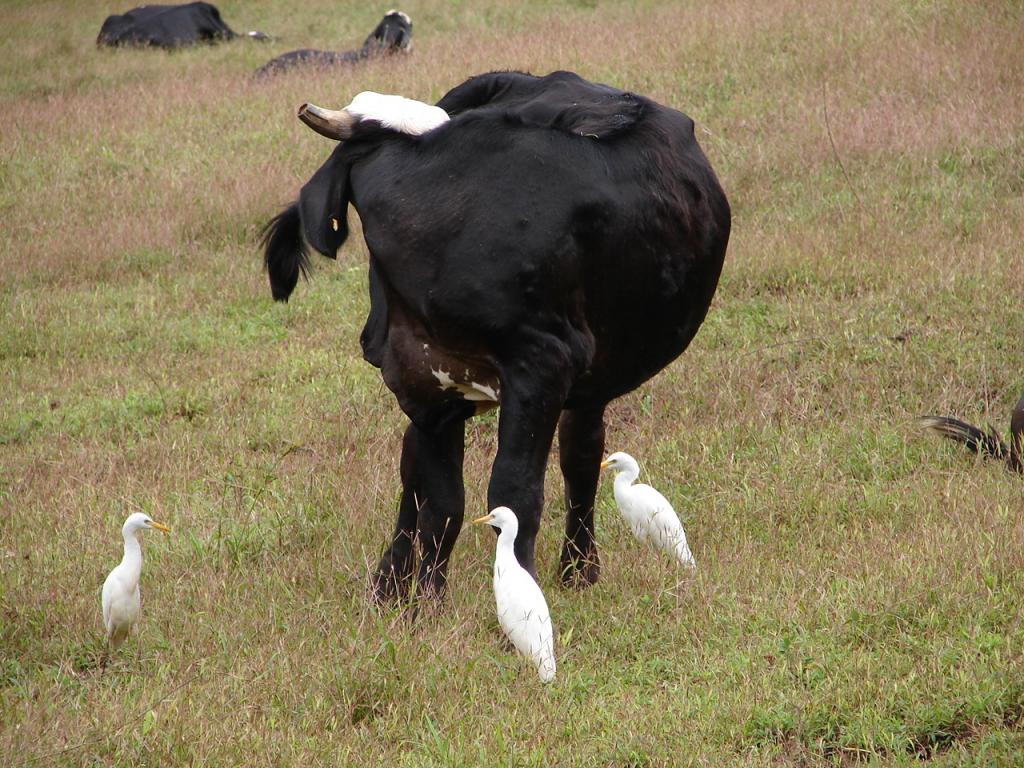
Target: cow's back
165, 26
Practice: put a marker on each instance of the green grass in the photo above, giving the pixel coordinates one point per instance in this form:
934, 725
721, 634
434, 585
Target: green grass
858, 597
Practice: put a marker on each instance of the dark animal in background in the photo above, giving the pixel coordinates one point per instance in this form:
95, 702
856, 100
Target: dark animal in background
550, 248
985, 443
392, 34
168, 26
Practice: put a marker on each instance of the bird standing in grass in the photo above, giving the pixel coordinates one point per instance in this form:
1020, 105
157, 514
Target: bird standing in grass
648, 512
985, 443
122, 604
522, 610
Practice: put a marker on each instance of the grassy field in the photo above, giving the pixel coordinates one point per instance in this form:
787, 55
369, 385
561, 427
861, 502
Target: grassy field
859, 592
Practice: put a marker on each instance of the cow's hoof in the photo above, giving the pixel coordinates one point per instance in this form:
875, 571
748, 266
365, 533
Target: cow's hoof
578, 570
386, 589
430, 590
392, 580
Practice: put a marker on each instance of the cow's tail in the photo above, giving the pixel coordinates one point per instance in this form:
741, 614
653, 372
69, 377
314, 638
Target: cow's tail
285, 254
984, 443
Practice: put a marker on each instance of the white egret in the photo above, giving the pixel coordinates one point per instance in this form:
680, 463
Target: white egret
522, 610
122, 604
648, 513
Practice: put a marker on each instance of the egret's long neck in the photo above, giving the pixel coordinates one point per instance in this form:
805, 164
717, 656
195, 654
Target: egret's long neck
505, 553
625, 478
132, 560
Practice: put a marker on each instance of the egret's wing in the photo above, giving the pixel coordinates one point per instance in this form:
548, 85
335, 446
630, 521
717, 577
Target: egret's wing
539, 640
639, 505
651, 500
666, 523
663, 528
654, 506
534, 632
523, 613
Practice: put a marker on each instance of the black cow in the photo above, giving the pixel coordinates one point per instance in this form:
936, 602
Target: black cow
392, 34
550, 248
168, 26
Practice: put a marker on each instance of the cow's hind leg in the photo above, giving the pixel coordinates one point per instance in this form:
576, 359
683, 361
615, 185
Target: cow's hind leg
526, 427
581, 448
429, 513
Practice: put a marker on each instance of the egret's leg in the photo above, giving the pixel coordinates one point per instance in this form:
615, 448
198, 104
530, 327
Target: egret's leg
431, 470
581, 448
526, 428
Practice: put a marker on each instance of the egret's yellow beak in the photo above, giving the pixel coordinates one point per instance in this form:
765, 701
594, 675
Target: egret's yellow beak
605, 464
159, 526
484, 519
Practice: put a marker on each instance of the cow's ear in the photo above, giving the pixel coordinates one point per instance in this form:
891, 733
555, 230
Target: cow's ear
323, 206
374, 337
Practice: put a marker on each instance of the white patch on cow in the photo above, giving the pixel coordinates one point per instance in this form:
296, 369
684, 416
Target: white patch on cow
472, 391
489, 393
397, 112
447, 382
399, 13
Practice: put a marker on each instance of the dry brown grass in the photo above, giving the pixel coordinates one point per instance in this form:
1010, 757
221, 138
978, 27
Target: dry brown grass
859, 584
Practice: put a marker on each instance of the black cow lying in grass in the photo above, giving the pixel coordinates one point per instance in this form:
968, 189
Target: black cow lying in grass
392, 34
168, 26
985, 443
549, 248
